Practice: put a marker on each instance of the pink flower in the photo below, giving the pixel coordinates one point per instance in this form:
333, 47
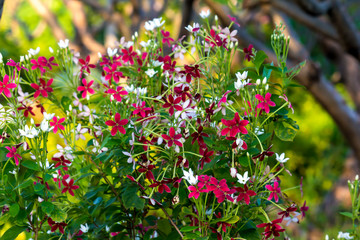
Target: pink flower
194, 192
172, 138
117, 124
167, 37
57, 124
86, 88
43, 89
117, 93
140, 109
86, 64
275, 190
16, 65
128, 55
5, 86
287, 100
69, 186
12, 153
234, 126
112, 73
265, 102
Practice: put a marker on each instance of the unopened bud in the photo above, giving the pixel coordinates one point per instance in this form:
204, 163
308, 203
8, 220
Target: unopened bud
175, 200
216, 18
70, 108
27, 57
357, 177
51, 50
99, 54
258, 82
22, 58
32, 121
266, 87
264, 80
136, 34
88, 97
1, 58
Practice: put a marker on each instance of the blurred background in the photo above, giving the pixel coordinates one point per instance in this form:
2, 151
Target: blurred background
326, 151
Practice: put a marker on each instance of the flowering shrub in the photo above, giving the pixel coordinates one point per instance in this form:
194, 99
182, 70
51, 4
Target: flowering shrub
147, 148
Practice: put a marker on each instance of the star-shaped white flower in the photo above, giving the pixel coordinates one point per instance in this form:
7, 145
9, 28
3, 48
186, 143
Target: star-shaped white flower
63, 43
33, 52
204, 14
189, 176
243, 179
281, 158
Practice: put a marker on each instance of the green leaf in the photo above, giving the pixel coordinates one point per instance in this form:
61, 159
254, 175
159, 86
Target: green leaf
267, 71
25, 184
244, 161
259, 59
38, 187
47, 207
286, 130
164, 227
31, 165
191, 235
14, 209
131, 199
347, 214
13, 232
233, 219
189, 228
65, 102
58, 215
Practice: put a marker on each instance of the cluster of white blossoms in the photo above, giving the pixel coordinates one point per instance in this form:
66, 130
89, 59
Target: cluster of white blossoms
153, 24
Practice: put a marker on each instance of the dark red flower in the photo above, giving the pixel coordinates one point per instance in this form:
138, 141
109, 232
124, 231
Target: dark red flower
191, 72
304, 209
271, 228
161, 187
262, 155
61, 161
248, 52
168, 64
206, 154
172, 103
54, 225
287, 211
222, 224
117, 124
172, 138
147, 170
69, 186
244, 194
27, 109
43, 89
198, 136
86, 64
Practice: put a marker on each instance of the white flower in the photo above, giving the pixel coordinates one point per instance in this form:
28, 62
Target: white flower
44, 126
241, 76
157, 22
233, 172
48, 116
226, 34
33, 52
5, 116
194, 28
29, 132
149, 25
344, 235
259, 131
22, 58
189, 176
281, 158
84, 228
79, 132
66, 152
97, 149
40, 199
150, 72
152, 24
243, 179
111, 52
63, 44
292, 218
1, 58
179, 52
205, 14
77, 102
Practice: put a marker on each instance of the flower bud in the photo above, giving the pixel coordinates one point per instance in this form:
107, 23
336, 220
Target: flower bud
70, 108
22, 58
258, 82
99, 54
266, 87
175, 200
264, 81
51, 50
233, 172
1, 58
216, 18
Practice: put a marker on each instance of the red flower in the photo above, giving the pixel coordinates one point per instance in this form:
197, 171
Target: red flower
191, 72
12, 153
303, 209
171, 103
86, 64
5, 86
117, 125
27, 110
248, 52
287, 211
61, 161
265, 102
206, 154
57, 124
140, 109
271, 228
218, 186
275, 190
128, 55
43, 89
86, 88
168, 65
162, 186
215, 39
54, 225
172, 138
69, 186
166, 38
147, 170
194, 192
117, 94
199, 136
222, 224
245, 194
234, 126
262, 155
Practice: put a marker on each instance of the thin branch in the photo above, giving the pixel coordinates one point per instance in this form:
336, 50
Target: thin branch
315, 7
171, 221
346, 28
